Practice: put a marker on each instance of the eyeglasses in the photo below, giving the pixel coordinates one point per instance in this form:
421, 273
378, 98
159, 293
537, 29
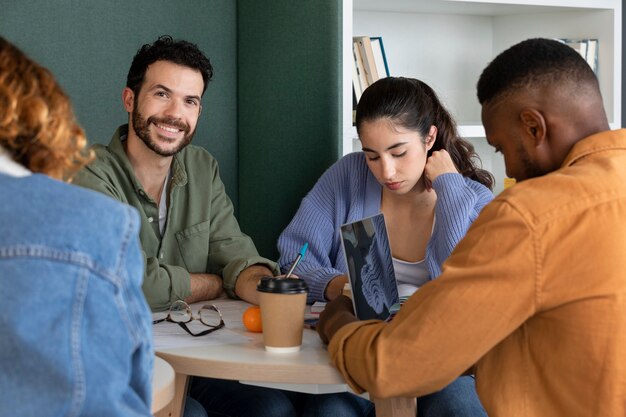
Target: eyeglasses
181, 314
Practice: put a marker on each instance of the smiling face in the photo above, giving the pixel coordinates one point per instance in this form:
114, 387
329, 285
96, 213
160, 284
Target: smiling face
395, 155
165, 112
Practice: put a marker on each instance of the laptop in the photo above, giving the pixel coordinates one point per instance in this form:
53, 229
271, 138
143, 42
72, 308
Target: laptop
367, 254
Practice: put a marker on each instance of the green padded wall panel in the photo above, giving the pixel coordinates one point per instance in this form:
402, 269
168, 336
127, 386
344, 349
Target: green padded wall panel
89, 46
289, 63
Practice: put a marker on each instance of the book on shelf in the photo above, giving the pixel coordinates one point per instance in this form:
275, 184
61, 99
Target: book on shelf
364, 45
509, 182
380, 57
592, 54
370, 63
587, 48
359, 81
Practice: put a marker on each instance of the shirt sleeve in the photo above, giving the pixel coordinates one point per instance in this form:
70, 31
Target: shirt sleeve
162, 284
459, 201
314, 222
486, 291
230, 250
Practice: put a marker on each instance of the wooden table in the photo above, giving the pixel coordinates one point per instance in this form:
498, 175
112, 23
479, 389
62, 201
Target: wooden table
248, 362
163, 378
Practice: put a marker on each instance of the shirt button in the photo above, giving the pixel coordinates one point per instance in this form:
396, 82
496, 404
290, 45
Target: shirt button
150, 219
161, 256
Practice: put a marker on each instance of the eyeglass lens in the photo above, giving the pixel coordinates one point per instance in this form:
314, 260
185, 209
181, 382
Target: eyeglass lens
180, 312
210, 316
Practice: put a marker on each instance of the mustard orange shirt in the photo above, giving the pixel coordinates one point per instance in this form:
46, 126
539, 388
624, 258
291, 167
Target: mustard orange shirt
534, 296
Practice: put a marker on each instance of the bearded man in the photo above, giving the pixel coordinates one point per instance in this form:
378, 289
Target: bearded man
193, 246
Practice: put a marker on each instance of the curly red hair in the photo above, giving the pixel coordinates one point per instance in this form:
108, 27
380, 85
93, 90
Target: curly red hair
37, 123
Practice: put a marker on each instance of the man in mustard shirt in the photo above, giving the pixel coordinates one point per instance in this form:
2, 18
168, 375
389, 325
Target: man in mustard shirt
533, 299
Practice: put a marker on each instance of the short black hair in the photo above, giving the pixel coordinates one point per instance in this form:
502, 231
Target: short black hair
534, 62
165, 48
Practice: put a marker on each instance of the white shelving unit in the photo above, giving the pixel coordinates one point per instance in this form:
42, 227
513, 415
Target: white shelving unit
447, 44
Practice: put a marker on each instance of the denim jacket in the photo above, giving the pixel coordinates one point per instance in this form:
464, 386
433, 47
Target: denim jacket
75, 329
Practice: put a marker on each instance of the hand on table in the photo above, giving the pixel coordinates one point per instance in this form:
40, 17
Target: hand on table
336, 314
438, 163
245, 286
335, 287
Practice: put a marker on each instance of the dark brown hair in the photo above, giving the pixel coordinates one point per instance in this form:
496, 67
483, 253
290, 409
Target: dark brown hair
413, 105
165, 48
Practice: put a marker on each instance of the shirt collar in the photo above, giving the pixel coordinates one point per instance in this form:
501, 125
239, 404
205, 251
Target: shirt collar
116, 147
612, 139
9, 167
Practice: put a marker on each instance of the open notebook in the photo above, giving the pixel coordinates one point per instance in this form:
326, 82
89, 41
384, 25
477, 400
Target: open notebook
370, 268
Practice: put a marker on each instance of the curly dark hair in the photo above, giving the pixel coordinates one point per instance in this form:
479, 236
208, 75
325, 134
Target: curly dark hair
165, 48
414, 105
534, 63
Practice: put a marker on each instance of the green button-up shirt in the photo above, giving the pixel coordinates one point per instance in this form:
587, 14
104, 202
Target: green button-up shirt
201, 233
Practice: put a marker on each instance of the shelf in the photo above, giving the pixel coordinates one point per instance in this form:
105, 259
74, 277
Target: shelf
447, 44
451, 59
471, 131
465, 131
484, 7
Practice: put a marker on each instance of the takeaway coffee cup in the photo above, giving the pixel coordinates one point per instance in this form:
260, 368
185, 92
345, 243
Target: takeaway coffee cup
282, 302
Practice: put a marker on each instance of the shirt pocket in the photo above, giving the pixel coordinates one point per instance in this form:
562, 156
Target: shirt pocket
193, 243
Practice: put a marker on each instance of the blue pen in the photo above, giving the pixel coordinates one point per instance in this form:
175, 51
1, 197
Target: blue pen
298, 259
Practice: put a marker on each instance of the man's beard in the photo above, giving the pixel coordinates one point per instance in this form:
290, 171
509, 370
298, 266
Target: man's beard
531, 169
141, 126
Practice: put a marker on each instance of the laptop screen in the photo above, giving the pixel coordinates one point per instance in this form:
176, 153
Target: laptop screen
370, 267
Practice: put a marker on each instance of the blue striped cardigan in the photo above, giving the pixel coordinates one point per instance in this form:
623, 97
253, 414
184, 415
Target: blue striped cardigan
347, 192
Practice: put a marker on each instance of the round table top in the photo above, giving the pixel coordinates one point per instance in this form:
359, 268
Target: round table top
248, 360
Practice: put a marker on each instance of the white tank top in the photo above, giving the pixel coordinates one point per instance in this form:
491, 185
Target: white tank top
410, 276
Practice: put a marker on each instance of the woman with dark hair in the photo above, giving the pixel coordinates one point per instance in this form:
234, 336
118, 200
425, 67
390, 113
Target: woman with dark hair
424, 178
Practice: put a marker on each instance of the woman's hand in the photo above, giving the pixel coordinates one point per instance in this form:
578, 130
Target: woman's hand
335, 287
438, 163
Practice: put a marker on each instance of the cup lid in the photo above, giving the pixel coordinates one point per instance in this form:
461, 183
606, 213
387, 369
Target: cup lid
282, 285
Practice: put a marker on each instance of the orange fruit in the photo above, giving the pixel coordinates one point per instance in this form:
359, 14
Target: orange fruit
252, 319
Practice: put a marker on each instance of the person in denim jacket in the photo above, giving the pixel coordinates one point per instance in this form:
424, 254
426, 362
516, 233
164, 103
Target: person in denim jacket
76, 329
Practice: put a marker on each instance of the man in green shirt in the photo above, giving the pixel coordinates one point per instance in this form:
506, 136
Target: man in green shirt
193, 246
192, 243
